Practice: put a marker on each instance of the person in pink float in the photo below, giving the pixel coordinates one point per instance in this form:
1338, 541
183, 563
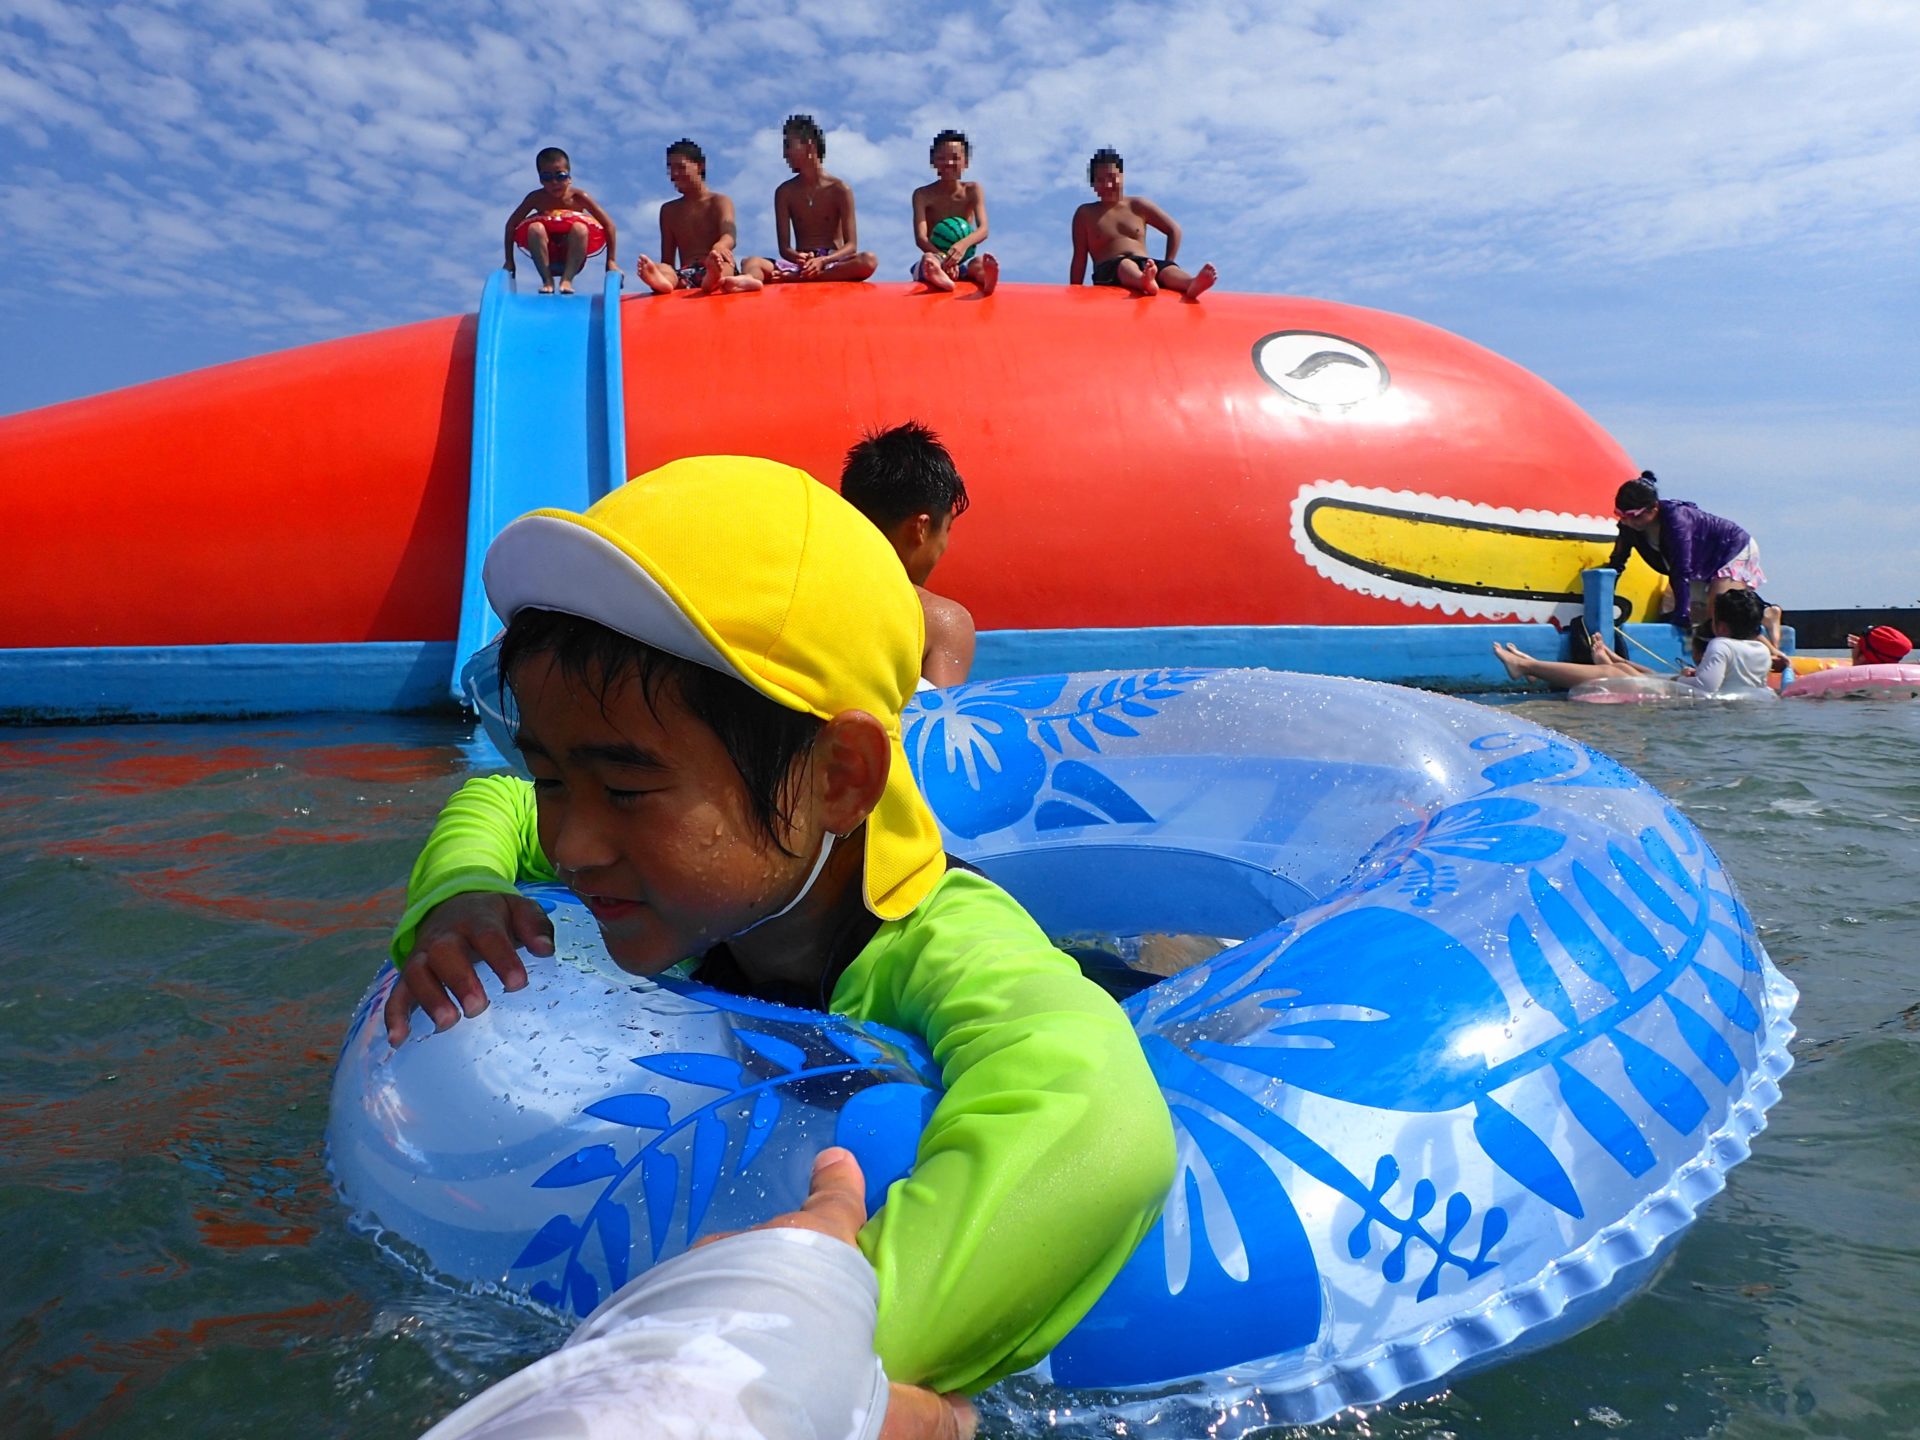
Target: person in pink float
561, 217
1735, 658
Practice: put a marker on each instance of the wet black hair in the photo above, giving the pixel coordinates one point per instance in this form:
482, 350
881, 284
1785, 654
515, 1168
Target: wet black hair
891, 475
692, 151
1743, 612
1638, 493
1105, 155
549, 155
807, 129
966, 145
765, 740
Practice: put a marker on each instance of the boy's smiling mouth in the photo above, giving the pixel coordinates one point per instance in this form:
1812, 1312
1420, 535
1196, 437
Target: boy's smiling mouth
607, 908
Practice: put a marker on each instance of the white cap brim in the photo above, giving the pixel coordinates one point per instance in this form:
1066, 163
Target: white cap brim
551, 562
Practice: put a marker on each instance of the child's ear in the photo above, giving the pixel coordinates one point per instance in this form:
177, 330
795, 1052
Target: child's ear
852, 758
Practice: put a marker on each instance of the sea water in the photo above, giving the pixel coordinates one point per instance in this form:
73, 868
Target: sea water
188, 913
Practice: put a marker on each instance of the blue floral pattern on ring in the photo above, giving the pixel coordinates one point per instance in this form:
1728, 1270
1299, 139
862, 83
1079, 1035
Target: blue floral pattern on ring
1517, 1018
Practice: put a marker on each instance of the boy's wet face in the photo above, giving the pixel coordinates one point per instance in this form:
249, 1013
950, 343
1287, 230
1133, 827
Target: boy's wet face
684, 174
950, 159
555, 176
1106, 181
643, 813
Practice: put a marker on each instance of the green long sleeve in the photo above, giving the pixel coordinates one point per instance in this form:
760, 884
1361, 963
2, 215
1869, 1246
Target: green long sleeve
485, 839
1045, 1162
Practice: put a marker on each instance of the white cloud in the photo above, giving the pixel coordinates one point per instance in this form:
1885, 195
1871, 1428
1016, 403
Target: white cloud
1396, 153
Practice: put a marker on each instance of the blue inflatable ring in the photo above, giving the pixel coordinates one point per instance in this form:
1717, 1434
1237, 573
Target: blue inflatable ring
1499, 1028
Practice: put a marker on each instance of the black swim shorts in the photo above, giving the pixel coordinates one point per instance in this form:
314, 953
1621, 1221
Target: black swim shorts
1107, 272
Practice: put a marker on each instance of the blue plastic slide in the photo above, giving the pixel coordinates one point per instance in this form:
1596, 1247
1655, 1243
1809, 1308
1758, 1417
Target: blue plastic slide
549, 425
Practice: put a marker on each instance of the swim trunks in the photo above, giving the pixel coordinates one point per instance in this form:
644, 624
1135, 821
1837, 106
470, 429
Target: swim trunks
959, 274
788, 267
692, 277
557, 223
1107, 272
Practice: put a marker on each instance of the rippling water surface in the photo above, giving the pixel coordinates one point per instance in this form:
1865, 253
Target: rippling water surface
188, 913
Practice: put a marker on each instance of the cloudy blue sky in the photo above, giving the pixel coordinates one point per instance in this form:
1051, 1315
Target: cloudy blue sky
1701, 220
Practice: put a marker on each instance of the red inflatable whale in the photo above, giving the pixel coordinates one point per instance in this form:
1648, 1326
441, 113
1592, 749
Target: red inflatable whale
1253, 460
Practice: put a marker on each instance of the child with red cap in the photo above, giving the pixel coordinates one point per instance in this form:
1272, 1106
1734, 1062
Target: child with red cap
1881, 645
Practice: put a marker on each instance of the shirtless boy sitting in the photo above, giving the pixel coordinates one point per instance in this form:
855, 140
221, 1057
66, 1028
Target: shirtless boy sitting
1113, 231
812, 216
558, 216
950, 221
697, 233
904, 481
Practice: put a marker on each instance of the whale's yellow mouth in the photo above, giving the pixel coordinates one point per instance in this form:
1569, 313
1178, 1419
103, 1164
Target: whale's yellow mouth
1461, 557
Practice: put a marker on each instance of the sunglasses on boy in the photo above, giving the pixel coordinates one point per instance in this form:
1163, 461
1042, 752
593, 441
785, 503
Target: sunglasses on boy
546, 175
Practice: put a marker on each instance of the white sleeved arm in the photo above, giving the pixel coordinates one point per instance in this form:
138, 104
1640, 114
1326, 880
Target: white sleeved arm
766, 1335
1712, 671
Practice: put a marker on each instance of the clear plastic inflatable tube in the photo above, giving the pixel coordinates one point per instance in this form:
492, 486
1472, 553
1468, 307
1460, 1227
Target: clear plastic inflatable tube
1883, 682
1500, 1027
1659, 690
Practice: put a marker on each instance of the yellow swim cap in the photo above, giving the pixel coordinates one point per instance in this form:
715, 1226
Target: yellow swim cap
754, 569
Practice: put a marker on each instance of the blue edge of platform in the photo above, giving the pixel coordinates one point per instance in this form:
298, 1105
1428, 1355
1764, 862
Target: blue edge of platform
233, 681
198, 682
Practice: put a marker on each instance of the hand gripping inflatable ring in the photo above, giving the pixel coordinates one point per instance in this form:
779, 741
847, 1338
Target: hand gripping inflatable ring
1500, 1028
1879, 682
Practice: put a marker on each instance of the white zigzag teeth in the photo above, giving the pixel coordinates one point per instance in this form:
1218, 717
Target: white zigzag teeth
1417, 505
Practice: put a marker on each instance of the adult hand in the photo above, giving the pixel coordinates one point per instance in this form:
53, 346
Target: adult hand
456, 935
836, 1206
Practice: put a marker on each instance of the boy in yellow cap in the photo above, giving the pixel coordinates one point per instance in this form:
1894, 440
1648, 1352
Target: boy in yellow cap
709, 667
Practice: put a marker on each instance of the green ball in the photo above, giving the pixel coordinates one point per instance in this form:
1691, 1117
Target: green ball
950, 232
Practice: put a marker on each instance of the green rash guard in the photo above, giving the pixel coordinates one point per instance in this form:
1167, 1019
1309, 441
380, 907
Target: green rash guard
1044, 1163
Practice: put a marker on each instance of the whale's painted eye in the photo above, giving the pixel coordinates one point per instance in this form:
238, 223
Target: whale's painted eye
1321, 371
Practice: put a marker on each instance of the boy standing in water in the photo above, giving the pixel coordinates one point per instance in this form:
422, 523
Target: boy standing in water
697, 233
812, 216
709, 667
558, 216
904, 481
950, 221
1112, 230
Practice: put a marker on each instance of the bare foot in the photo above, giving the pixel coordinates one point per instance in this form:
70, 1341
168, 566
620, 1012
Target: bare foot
1149, 278
1201, 283
566, 287
934, 275
547, 289
988, 269
1513, 657
739, 285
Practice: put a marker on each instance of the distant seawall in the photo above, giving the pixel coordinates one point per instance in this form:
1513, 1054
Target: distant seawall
1828, 629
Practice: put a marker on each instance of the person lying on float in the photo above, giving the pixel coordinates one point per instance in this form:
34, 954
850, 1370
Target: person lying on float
1736, 658
710, 666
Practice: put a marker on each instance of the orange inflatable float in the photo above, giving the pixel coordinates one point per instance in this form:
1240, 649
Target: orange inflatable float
1144, 466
